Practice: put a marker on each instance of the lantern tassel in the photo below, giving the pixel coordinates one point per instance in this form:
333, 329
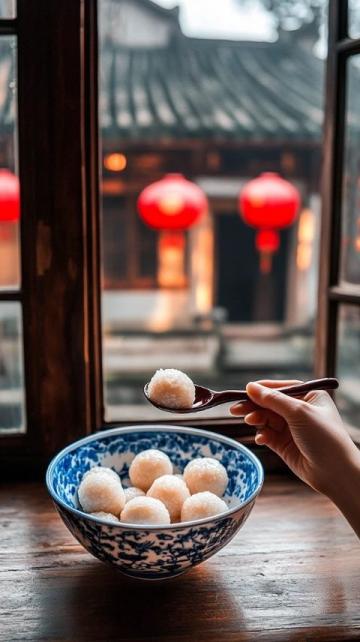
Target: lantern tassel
265, 262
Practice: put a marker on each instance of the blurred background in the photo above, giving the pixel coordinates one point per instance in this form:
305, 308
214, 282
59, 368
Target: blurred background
218, 92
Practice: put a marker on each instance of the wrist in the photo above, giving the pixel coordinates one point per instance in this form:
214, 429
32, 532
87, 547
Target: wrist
345, 491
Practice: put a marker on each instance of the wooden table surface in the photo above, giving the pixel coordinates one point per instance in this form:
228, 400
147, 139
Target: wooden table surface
292, 573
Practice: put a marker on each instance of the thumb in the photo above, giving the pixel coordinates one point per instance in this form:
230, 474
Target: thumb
273, 399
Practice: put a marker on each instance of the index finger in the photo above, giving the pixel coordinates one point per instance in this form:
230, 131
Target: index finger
244, 407
278, 383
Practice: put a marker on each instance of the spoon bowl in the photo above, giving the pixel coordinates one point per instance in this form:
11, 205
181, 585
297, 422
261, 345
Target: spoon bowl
206, 398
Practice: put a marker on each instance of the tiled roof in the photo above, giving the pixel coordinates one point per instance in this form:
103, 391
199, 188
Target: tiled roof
198, 88
201, 89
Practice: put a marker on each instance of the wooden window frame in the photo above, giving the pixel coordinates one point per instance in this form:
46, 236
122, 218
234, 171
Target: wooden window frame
59, 231
332, 293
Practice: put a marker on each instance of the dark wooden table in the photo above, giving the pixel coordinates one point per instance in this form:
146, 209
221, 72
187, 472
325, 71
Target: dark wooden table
292, 573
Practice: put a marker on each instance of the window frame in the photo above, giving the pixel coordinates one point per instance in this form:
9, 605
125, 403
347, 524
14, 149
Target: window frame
332, 293
59, 254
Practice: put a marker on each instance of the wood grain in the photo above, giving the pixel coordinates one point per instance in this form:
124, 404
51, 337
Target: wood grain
292, 573
56, 230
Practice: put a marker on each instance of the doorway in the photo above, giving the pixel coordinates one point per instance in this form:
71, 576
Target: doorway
247, 295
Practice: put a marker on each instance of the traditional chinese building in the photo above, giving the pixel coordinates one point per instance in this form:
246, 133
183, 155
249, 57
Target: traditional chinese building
219, 112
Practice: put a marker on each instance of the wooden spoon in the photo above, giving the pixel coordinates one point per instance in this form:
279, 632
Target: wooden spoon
206, 398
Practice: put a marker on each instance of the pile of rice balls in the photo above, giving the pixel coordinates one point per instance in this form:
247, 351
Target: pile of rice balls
156, 495
171, 388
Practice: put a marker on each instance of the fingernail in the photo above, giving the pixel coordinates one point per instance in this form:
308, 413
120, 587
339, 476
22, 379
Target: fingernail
260, 438
254, 387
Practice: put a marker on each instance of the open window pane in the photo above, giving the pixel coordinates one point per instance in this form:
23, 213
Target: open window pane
219, 109
7, 9
9, 187
350, 247
12, 395
348, 364
354, 18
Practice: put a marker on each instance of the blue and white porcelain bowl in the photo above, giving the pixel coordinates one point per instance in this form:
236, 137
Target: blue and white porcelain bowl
154, 552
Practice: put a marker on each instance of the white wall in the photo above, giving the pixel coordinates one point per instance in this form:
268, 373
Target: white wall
132, 26
151, 310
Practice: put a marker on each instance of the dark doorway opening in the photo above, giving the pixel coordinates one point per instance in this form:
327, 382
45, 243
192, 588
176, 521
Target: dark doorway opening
242, 290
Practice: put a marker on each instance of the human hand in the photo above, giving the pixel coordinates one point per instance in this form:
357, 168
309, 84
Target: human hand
308, 434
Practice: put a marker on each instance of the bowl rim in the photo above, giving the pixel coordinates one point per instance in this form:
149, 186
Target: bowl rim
153, 428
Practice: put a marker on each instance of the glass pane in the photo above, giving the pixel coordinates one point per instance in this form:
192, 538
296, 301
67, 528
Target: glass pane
348, 364
9, 186
192, 97
12, 394
350, 245
7, 8
354, 18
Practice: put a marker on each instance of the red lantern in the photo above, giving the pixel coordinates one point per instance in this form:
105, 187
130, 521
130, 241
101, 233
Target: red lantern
9, 196
172, 205
269, 203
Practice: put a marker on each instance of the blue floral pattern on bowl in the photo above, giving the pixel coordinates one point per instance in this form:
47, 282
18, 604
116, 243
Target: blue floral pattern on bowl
154, 552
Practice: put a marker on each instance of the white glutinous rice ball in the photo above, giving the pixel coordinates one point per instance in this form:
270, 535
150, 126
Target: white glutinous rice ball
101, 469
148, 466
202, 505
132, 492
172, 492
206, 473
171, 388
145, 510
101, 492
103, 515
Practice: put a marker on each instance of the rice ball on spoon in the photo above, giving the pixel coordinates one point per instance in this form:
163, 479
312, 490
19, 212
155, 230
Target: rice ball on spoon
171, 388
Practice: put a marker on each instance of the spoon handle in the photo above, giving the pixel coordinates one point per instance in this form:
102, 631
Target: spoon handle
297, 390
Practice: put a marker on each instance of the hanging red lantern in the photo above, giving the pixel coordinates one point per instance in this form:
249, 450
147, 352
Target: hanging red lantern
268, 203
9, 196
172, 205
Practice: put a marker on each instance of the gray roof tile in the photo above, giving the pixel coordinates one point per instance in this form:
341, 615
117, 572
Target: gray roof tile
213, 89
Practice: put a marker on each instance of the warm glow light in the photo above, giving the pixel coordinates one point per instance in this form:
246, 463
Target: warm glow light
171, 260
202, 263
303, 256
306, 231
357, 239
306, 235
115, 162
256, 200
171, 204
